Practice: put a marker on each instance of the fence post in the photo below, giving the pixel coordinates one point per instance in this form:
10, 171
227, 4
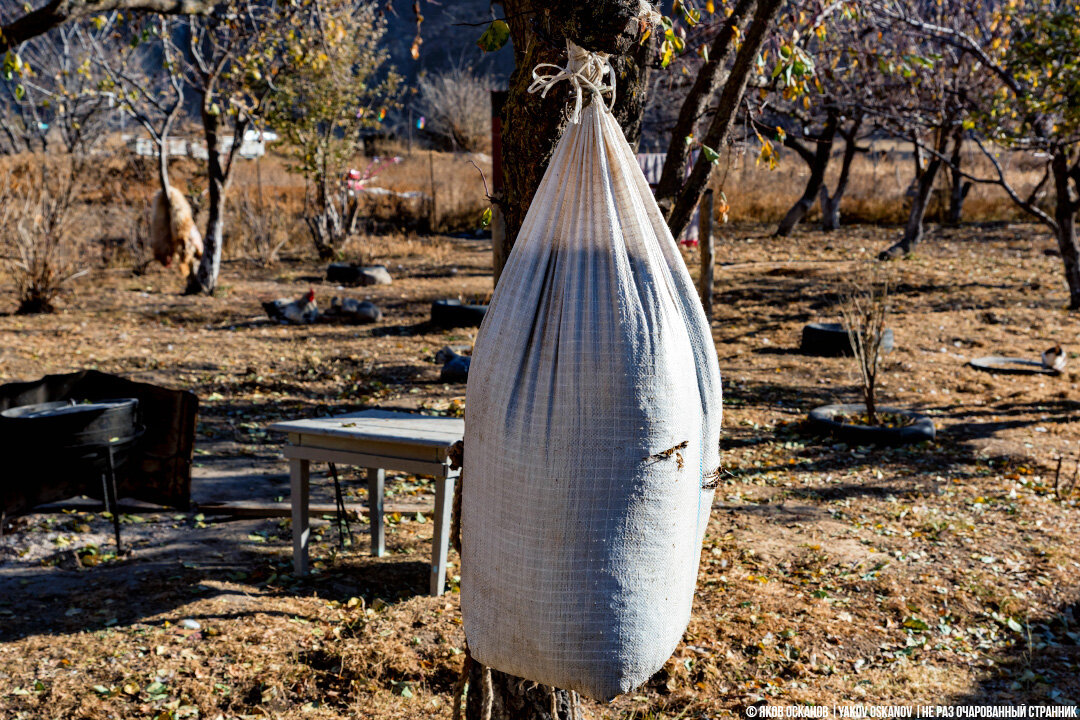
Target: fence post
708, 251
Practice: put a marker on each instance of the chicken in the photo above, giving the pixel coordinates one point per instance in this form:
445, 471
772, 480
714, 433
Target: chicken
455, 367
1054, 358
173, 233
301, 311
358, 311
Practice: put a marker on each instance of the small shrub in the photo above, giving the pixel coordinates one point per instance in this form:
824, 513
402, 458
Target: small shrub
863, 308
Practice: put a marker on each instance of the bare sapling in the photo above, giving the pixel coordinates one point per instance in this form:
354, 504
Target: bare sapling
863, 308
40, 250
1064, 488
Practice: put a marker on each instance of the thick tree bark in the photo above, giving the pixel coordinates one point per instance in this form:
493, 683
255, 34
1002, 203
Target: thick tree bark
1065, 209
531, 125
57, 12
819, 163
830, 206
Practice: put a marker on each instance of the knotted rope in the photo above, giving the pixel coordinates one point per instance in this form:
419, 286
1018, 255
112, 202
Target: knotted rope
585, 70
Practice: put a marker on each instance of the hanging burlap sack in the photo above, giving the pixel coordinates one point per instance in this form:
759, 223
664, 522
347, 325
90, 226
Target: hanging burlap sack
592, 420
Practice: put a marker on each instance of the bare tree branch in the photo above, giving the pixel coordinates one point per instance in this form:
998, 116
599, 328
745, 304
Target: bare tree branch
957, 38
57, 12
1028, 205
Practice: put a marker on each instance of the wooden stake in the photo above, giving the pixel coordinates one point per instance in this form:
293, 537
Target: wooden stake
431, 173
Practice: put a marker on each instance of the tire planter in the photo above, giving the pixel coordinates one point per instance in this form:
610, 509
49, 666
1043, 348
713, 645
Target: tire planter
831, 340
824, 420
1011, 366
454, 314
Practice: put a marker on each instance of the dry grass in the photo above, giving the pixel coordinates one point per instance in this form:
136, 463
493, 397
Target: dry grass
830, 574
877, 190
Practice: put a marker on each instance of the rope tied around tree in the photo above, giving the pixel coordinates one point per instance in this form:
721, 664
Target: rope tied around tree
585, 70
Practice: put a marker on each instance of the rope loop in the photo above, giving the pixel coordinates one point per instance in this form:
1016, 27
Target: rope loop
585, 70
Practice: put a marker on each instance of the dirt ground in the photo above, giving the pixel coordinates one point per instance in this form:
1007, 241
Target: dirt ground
937, 574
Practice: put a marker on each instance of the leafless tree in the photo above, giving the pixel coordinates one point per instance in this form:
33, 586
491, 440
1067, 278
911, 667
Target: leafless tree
53, 96
457, 105
16, 27
146, 79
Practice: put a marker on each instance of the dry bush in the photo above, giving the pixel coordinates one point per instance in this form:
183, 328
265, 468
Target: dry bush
457, 104
125, 240
450, 177
41, 249
137, 237
264, 229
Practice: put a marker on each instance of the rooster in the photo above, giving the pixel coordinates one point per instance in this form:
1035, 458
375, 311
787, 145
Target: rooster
301, 311
173, 233
1054, 359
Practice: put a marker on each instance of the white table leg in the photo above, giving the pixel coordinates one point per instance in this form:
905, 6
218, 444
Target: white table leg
440, 540
376, 481
300, 483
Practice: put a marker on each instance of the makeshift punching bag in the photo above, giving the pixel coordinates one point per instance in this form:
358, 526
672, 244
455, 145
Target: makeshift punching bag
592, 424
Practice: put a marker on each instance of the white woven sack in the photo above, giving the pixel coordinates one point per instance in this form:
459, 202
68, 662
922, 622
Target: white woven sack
592, 417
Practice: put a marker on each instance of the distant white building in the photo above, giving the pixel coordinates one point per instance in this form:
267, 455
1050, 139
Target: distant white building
252, 146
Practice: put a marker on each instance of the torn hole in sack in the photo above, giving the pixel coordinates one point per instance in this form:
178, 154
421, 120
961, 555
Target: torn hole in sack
670, 452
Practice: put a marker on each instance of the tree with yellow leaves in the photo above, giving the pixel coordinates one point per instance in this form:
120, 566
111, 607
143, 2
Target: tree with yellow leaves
337, 86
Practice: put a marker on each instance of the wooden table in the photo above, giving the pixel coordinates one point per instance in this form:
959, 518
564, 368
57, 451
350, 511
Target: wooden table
378, 440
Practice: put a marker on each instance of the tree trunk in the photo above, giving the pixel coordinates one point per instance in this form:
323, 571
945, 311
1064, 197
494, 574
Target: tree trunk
913, 231
204, 280
325, 224
513, 698
830, 206
708, 81
531, 125
958, 186
708, 252
1065, 210
819, 163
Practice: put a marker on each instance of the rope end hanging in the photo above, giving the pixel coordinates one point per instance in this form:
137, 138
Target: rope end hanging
585, 70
